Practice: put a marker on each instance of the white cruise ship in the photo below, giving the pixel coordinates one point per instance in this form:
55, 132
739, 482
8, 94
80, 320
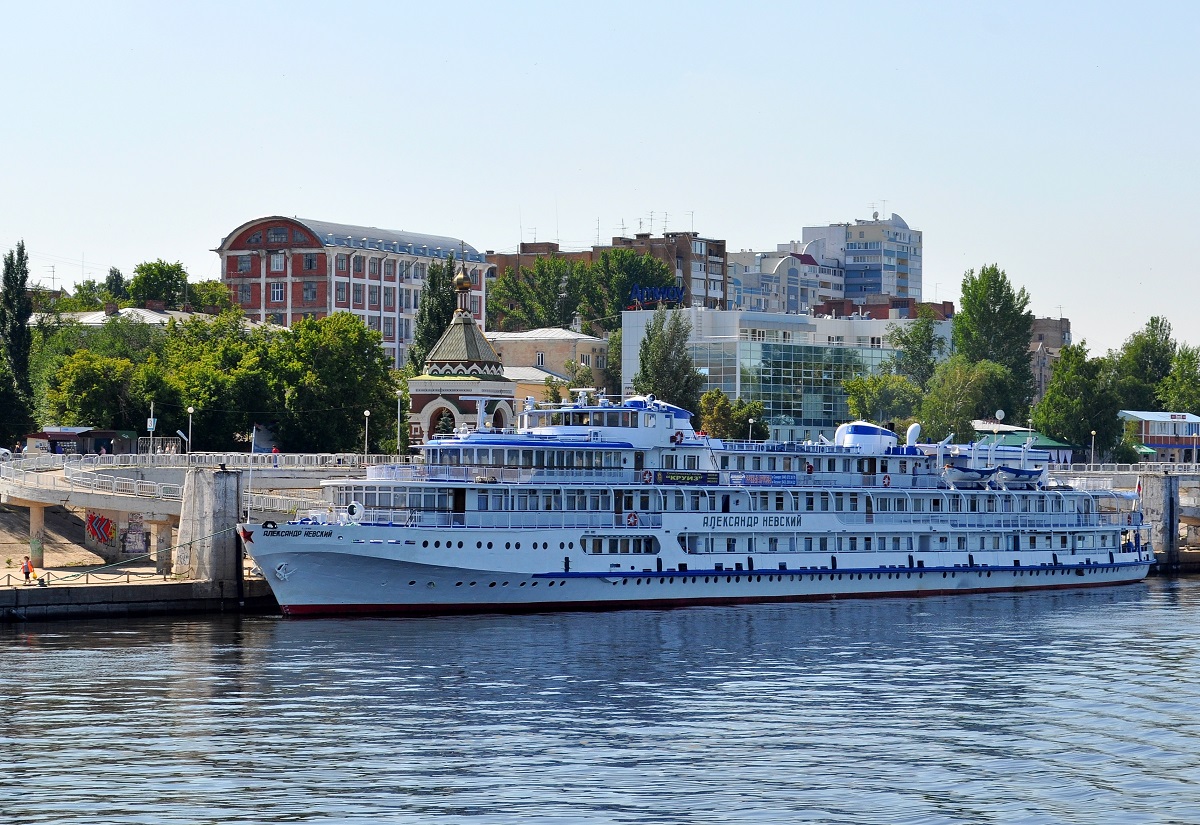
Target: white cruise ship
603, 504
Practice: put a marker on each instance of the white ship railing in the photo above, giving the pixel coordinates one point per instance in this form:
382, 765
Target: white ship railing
520, 520
994, 521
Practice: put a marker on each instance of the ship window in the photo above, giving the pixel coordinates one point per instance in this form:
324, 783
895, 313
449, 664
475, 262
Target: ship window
1062, 541
991, 504
809, 501
807, 544
772, 544
691, 462
838, 502
973, 504
824, 544
730, 545
1032, 542
853, 543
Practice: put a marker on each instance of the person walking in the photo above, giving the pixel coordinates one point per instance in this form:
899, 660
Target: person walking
27, 569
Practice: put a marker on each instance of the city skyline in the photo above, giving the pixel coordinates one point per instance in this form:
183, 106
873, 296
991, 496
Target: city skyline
1049, 140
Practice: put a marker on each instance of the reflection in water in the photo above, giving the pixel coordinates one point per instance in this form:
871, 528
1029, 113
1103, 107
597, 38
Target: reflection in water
1054, 707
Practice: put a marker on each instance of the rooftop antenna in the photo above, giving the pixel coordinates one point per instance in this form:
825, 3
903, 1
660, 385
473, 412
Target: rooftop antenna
666, 216
557, 237
872, 208
651, 221
597, 231
885, 212
692, 217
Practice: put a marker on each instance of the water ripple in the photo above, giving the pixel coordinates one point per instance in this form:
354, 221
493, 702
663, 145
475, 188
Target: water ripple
1040, 708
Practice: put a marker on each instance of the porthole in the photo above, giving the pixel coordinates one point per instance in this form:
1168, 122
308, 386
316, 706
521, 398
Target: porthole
533, 585
706, 579
437, 544
489, 545
561, 545
518, 545
570, 545
758, 578
460, 545
411, 583
425, 544
728, 579
458, 584
493, 584
472, 584
507, 545
624, 581
662, 581
943, 574
504, 584
523, 584
479, 545
551, 584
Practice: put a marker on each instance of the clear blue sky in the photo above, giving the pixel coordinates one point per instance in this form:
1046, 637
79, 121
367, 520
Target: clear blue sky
1057, 140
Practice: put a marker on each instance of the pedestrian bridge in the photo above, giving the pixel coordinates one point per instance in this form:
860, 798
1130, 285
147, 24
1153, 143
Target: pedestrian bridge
152, 484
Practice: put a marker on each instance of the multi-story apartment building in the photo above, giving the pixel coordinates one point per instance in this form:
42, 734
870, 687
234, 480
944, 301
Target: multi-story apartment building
1046, 339
880, 257
787, 280
282, 269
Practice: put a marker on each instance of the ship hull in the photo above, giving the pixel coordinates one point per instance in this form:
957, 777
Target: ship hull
316, 580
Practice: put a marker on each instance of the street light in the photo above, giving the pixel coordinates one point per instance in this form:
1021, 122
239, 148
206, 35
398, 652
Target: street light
750, 434
1093, 459
366, 432
190, 411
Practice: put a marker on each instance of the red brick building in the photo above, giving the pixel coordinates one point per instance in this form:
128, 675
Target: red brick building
284, 269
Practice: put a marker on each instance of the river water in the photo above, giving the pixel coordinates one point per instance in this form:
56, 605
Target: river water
1078, 706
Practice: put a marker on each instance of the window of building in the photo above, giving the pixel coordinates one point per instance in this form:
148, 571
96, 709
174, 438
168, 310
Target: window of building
310, 290
276, 292
389, 296
373, 322
244, 293
586, 360
373, 296
243, 263
602, 362
373, 266
358, 263
699, 248
389, 327
342, 263
474, 305
541, 359
340, 293
277, 234
358, 294
389, 268
299, 237
277, 262
310, 261
255, 238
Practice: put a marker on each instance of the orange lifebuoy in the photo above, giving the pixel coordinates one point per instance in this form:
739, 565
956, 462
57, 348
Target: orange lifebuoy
647, 477
632, 520
678, 437
887, 480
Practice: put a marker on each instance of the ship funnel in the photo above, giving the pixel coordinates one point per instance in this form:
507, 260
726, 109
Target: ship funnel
914, 432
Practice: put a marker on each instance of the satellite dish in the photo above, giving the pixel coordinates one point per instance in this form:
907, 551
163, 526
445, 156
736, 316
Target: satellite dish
999, 415
874, 216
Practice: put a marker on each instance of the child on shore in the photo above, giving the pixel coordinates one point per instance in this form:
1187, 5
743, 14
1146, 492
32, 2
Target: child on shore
27, 569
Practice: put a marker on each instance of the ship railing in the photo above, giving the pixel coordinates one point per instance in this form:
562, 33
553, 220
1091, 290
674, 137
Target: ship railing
465, 474
994, 521
522, 520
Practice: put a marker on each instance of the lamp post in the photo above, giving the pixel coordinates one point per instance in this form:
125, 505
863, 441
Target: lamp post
366, 432
399, 399
190, 411
750, 432
1093, 458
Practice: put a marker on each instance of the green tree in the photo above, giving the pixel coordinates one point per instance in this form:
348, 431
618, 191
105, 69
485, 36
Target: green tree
88, 295
1179, 390
1144, 360
116, 286
329, 371
89, 389
749, 419
612, 369
1077, 402
445, 424
994, 323
206, 294
882, 397
158, 281
546, 294
16, 307
607, 284
665, 366
434, 312
918, 347
578, 375
716, 414
552, 394
956, 396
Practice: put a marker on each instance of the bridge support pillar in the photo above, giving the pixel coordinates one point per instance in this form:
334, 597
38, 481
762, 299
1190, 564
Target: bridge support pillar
208, 548
161, 535
1160, 505
37, 534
